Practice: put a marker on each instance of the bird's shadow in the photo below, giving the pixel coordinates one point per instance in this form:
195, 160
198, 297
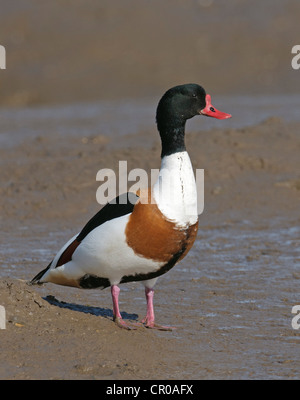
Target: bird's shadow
98, 311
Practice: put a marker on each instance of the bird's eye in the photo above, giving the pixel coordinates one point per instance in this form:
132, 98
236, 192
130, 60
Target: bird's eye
194, 95
212, 109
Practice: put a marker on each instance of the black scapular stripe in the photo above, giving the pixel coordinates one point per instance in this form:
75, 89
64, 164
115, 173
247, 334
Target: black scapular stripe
118, 207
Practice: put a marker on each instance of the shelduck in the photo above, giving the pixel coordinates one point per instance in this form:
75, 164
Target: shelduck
141, 236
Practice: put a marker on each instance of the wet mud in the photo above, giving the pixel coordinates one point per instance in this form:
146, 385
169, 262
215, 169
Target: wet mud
230, 298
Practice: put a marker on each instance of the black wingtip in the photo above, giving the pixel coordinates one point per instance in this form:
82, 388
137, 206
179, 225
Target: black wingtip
36, 279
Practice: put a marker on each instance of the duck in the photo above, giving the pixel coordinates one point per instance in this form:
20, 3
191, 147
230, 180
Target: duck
141, 236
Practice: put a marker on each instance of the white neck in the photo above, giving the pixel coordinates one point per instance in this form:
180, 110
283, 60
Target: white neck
175, 190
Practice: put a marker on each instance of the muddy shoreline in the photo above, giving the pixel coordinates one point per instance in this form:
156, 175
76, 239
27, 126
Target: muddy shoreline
230, 298
78, 94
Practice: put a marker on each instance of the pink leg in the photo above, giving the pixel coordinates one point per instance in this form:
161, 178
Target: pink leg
115, 290
149, 319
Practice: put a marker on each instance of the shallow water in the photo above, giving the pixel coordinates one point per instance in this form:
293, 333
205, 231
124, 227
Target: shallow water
128, 117
240, 286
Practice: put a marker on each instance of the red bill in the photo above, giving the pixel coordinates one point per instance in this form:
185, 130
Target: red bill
211, 111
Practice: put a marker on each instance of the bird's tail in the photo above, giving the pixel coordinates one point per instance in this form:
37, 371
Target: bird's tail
36, 279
